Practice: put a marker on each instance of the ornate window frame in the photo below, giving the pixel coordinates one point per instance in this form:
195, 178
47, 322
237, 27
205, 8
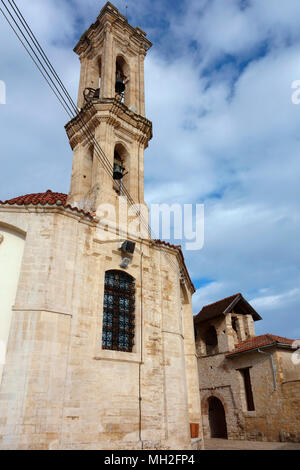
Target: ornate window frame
101, 354
118, 324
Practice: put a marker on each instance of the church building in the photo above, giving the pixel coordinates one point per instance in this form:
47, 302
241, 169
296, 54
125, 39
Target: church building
99, 349
96, 315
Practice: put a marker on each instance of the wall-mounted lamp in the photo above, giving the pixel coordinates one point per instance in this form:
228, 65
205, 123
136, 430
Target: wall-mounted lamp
125, 262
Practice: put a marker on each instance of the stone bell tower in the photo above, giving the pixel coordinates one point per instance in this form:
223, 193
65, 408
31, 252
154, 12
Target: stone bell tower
110, 133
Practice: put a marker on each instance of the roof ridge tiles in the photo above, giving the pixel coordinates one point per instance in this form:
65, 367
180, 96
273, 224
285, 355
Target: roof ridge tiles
260, 341
46, 198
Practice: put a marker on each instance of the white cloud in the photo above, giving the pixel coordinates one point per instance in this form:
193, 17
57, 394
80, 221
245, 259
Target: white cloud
275, 301
207, 295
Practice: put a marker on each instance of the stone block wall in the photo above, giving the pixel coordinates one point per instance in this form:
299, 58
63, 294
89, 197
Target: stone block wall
276, 414
60, 389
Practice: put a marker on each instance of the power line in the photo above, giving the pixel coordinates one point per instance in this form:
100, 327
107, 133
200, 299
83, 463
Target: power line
99, 152
73, 109
40, 49
104, 160
71, 112
102, 157
55, 83
16, 33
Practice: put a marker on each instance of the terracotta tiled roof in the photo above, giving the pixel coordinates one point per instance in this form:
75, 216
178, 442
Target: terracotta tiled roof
39, 198
162, 242
177, 247
259, 342
48, 197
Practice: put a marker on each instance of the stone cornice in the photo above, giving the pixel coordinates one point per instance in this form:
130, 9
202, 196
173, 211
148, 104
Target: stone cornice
111, 18
68, 211
97, 223
79, 128
114, 113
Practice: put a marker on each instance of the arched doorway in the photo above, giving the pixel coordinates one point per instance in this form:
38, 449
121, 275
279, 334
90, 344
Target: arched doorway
217, 418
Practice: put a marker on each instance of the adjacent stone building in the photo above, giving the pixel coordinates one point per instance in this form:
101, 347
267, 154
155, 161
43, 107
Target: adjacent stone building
96, 314
249, 385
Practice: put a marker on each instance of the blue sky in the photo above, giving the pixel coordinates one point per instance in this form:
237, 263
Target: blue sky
226, 134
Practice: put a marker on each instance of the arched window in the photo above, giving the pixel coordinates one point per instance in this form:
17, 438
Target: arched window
122, 80
100, 72
88, 167
118, 311
120, 174
211, 340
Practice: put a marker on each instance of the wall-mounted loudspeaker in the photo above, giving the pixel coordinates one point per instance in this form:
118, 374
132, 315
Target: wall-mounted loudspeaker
128, 247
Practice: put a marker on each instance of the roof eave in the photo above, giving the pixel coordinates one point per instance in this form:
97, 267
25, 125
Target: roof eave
267, 346
255, 315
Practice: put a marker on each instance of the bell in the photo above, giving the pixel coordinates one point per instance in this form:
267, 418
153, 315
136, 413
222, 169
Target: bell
120, 87
97, 93
118, 171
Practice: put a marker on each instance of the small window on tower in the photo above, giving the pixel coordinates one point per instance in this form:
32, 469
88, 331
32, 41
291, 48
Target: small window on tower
211, 340
234, 323
118, 311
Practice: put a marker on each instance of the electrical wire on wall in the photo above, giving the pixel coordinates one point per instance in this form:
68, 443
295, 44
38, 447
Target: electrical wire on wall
17, 22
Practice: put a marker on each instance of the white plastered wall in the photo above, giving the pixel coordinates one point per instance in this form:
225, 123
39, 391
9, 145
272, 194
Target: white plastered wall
11, 252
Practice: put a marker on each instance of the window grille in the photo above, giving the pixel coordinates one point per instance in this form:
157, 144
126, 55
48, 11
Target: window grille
118, 311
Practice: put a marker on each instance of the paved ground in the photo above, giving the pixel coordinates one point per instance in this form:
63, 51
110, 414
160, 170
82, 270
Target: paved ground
224, 444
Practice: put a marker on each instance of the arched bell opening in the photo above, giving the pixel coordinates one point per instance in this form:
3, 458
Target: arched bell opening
120, 169
211, 340
234, 324
93, 91
99, 72
122, 88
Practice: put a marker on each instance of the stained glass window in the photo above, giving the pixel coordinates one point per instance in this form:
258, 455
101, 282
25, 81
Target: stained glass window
118, 311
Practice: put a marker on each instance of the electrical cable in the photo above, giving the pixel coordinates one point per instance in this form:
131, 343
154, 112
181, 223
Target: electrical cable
63, 96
